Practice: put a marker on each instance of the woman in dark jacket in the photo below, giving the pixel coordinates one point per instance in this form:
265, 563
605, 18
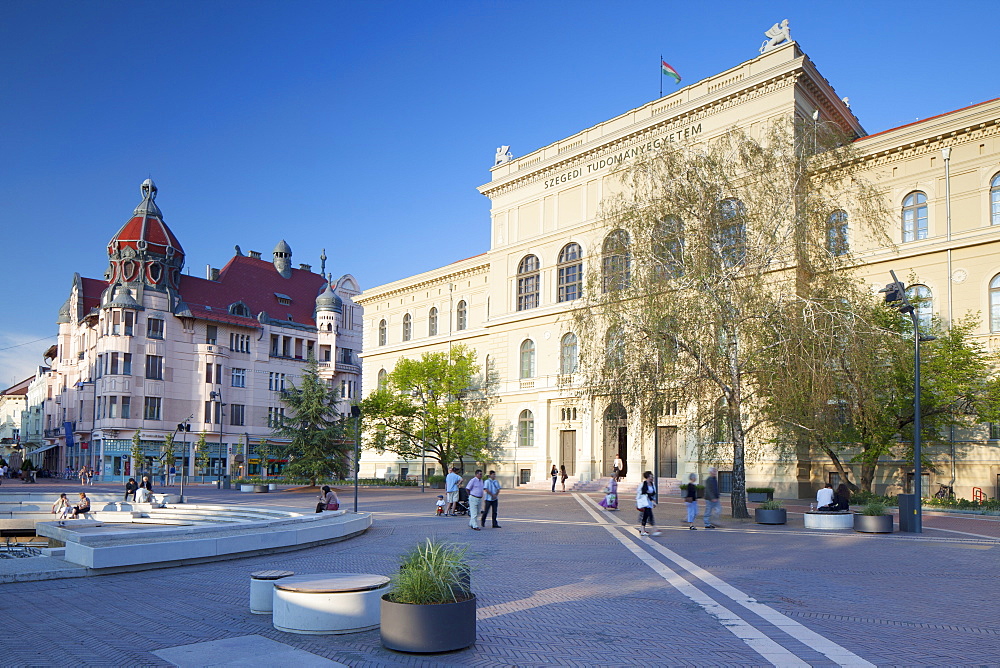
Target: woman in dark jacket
841, 499
130, 488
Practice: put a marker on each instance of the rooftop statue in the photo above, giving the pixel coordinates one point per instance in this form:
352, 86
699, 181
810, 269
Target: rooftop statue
503, 155
779, 33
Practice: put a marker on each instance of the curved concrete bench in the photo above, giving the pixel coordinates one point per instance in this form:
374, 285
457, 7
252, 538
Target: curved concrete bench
262, 590
328, 603
839, 519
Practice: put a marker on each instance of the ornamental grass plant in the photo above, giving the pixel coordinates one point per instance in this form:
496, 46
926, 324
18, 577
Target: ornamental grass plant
873, 508
431, 573
771, 504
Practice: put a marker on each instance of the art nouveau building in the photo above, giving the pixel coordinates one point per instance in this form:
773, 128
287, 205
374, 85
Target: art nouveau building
511, 304
148, 348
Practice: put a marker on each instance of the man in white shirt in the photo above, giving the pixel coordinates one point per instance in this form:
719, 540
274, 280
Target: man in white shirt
824, 497
451, 483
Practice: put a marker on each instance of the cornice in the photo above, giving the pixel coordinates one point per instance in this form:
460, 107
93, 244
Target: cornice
374, 294
931, 143
643, 131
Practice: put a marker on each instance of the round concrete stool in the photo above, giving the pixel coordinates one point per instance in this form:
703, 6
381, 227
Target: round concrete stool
328, 603
261, 586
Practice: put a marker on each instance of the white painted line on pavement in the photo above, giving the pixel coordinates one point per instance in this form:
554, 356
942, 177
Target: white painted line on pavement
808, 637
771, 651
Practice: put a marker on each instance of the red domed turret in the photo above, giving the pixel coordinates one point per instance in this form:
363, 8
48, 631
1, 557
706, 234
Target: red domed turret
145, 250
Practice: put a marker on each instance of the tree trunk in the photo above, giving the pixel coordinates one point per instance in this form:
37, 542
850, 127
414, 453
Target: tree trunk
867, 475
738, 497
837, 464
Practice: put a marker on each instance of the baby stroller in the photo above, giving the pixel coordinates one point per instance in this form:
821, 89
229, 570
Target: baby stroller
462, 505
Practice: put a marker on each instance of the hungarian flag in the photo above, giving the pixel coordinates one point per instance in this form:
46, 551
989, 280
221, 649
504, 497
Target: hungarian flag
669, 71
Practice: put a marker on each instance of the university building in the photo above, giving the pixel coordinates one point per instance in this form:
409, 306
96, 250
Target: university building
941, 176
149, 349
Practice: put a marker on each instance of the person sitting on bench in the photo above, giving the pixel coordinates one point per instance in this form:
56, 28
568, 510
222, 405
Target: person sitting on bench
82, 506
841, 500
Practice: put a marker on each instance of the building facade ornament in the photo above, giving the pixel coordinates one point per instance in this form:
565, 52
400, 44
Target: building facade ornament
777, 34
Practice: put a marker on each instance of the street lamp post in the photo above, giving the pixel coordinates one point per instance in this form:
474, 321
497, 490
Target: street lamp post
217, 397
356, 414
895, 294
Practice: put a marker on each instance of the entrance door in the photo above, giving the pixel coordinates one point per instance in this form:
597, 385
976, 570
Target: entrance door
667, 442
615, 439
567, 451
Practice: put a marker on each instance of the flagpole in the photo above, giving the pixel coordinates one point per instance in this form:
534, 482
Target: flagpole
661, 74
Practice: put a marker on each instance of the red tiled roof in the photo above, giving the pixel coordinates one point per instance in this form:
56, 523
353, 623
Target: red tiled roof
924, 120
92, 289
149, 228
19, 389
254, 282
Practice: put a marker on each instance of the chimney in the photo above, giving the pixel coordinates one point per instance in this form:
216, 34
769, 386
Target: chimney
255, 255
305, 267
208, 271
215, 274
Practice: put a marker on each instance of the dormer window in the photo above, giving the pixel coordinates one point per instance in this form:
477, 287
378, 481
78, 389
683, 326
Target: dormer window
284, 300
240, 309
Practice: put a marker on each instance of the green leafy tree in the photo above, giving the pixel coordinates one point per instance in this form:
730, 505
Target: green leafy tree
439, 402
710, 241
201, 458
318, 444
138, 454
264, 454
844, 382
168, 452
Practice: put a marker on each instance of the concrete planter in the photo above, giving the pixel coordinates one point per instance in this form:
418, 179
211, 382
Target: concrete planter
873, 523
261, 489
272, 486
762, 516
428, 629
246, 488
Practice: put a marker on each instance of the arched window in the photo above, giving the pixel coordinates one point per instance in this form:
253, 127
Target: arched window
836, 233
915, 216
923, 304
568, 355
668, 248
239, 308
528, 280
526, 429
407, 327
995, 304
995, 200
732, 234
382, 333
570, 273
528, 359
382, 377
432, 322
461, 316
614, 347
616, 263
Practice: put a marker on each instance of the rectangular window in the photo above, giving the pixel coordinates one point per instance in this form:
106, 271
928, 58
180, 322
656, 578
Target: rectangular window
129, 323
126, 407
211, 334
100, 408
99, 369
239, 377
995, 431
155, 328
276, 382
275, 346
208, 373
116, 322
114, 364
127, 364
275, 416
346, 356
236, 414
112, 407
154, 367
151, 408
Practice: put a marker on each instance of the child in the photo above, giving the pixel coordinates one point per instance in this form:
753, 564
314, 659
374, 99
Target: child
440, 505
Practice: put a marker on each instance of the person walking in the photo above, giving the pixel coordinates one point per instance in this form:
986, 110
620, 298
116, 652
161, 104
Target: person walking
83, 475
563, 475
610, 500
171, 475
711, 497
645, 501
691, 500
491, 494
451, 483
555, 476
476, 490
618, 467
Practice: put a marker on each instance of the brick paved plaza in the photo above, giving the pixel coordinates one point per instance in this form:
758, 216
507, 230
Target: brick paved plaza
562, 582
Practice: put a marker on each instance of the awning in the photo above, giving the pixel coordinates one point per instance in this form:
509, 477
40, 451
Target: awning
41, 449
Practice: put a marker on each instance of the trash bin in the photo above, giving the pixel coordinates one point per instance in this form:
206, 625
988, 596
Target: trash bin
225, 482
907, 506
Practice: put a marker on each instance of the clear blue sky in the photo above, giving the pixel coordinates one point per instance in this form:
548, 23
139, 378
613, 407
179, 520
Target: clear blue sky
365, 127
